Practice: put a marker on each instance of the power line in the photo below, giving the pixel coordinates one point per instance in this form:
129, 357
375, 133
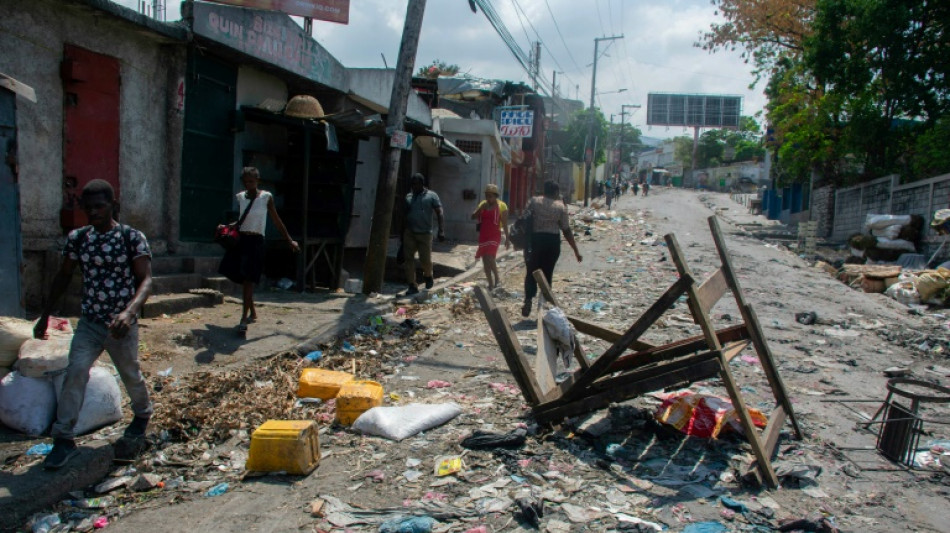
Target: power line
557, 63
561, 35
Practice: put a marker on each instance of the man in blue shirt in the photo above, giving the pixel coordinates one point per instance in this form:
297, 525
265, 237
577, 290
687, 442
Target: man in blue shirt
421, 203
116, 265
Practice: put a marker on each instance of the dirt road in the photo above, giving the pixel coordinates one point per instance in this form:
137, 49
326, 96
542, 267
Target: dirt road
619, 466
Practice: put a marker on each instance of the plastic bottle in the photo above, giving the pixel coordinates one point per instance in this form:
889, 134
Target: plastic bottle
413, 524
217, 490
42, 524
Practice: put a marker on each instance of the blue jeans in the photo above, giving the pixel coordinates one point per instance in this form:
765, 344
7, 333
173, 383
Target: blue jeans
89, 341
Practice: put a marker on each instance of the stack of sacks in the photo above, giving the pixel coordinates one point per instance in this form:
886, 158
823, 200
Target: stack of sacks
893, 235
29, 393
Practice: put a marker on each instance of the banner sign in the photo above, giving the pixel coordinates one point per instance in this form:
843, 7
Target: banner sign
401, 140
271, 37
328, 10
516, 123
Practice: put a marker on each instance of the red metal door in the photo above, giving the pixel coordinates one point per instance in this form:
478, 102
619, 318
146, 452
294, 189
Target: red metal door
91, 127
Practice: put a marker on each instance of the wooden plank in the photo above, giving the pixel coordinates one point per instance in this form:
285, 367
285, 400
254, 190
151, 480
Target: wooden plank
699, 316
873, 271
603, 333
510, 347
711, 291
697, 371
629, 386
548, 295
726, 267
731, 350
642, 324
773, 430
678, 349
768, 365
751, 432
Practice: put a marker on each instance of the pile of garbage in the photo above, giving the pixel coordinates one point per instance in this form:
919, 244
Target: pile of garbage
886, 237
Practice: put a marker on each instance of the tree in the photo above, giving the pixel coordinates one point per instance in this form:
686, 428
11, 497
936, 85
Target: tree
885, 61
577, 134
437, 68
630, 136
766, 30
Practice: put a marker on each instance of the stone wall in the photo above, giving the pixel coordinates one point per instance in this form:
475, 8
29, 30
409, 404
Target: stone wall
823, 210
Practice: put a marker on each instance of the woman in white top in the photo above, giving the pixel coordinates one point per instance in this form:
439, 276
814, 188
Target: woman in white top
243, 264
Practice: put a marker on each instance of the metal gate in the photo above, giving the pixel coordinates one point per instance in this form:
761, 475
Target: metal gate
11, 293
207, 171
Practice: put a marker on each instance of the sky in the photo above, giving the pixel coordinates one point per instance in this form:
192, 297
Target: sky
656, 54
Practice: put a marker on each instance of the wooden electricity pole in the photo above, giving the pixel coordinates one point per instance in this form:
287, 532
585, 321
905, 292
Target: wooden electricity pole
590, 127
389, 173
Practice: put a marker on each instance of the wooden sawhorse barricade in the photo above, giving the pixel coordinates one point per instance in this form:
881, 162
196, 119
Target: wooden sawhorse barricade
619, 374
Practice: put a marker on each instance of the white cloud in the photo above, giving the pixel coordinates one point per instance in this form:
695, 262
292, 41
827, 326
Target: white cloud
657, 53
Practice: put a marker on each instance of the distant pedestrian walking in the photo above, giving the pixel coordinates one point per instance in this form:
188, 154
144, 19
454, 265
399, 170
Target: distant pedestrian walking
636, 188
646, 188
549, 219
421, 203
492, 217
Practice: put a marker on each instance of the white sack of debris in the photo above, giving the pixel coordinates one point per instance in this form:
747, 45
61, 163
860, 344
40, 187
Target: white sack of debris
400, 422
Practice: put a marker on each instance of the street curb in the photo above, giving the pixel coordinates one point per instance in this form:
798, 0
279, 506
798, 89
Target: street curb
39, 489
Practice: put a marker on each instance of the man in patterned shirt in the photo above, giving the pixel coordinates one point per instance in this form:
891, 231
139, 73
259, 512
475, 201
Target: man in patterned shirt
116, 266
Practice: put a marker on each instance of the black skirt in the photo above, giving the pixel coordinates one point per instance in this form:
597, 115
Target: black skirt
244, 262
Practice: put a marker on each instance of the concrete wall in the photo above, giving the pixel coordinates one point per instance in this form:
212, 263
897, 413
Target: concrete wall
373, 88
887, 196
32, 37
450, 177
823, 210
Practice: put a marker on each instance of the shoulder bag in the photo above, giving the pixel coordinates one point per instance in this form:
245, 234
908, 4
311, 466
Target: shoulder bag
229, 235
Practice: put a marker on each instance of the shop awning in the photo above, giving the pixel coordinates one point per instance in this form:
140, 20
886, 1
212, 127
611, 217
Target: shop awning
447, 146
17, 87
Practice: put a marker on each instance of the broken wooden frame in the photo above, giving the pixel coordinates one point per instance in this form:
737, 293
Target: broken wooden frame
619, 375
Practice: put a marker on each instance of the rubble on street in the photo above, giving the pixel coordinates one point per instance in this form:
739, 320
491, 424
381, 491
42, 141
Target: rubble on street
493, 467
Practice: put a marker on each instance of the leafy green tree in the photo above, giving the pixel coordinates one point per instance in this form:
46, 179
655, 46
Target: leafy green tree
577, 131
629, 136
931, 155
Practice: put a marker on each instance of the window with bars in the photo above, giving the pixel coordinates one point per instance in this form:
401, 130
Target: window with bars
469, 147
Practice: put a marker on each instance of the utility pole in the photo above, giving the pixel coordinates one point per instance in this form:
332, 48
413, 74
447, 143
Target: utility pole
389, 173
623, 114
536, 64
590, 128
553, 95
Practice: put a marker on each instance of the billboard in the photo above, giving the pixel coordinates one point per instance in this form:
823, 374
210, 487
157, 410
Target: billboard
516, 123
693, 110
328, 10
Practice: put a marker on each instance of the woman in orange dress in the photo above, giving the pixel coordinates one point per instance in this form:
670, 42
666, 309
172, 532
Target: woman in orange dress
492, 216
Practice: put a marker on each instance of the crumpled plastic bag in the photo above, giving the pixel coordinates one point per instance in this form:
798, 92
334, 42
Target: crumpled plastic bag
561, 331
905, 290
398, 422
702, 415
482, 440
